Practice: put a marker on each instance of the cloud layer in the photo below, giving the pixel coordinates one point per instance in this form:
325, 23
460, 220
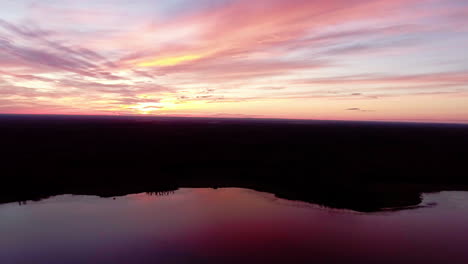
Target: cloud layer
403, 59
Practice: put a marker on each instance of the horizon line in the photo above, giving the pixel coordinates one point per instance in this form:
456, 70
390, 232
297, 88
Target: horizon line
394, 121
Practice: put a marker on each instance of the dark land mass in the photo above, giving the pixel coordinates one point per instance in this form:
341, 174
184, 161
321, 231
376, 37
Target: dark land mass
364, 166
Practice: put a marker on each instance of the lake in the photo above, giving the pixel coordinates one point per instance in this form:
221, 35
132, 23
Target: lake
229, 225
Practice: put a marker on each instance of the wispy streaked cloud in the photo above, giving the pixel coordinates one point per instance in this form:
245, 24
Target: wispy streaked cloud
404, 59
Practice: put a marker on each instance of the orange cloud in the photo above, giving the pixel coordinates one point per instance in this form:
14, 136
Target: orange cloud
170, 61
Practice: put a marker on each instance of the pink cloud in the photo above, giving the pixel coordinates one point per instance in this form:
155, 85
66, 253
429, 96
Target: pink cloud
245, 26
94, 57
459, 78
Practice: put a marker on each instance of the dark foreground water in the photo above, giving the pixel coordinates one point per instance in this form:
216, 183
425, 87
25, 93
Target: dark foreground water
229, 226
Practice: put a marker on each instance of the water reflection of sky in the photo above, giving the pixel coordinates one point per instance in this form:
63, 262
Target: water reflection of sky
228, 225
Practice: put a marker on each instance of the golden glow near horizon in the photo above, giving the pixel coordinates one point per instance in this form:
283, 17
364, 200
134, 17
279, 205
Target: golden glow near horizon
170, 61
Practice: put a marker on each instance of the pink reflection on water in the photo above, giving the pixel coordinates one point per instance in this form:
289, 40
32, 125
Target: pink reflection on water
229, 226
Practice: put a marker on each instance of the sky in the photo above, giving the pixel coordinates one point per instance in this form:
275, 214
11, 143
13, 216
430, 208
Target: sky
395, 60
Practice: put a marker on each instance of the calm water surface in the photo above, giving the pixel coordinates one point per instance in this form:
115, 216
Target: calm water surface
229, 226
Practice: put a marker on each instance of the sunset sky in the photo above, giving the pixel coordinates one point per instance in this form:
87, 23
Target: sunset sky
404, 60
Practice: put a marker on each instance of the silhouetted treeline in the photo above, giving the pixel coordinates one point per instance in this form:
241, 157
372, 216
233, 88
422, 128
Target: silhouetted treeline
358, 165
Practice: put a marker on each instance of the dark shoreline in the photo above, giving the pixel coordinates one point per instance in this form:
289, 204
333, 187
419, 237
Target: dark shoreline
364, 166
362, 198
